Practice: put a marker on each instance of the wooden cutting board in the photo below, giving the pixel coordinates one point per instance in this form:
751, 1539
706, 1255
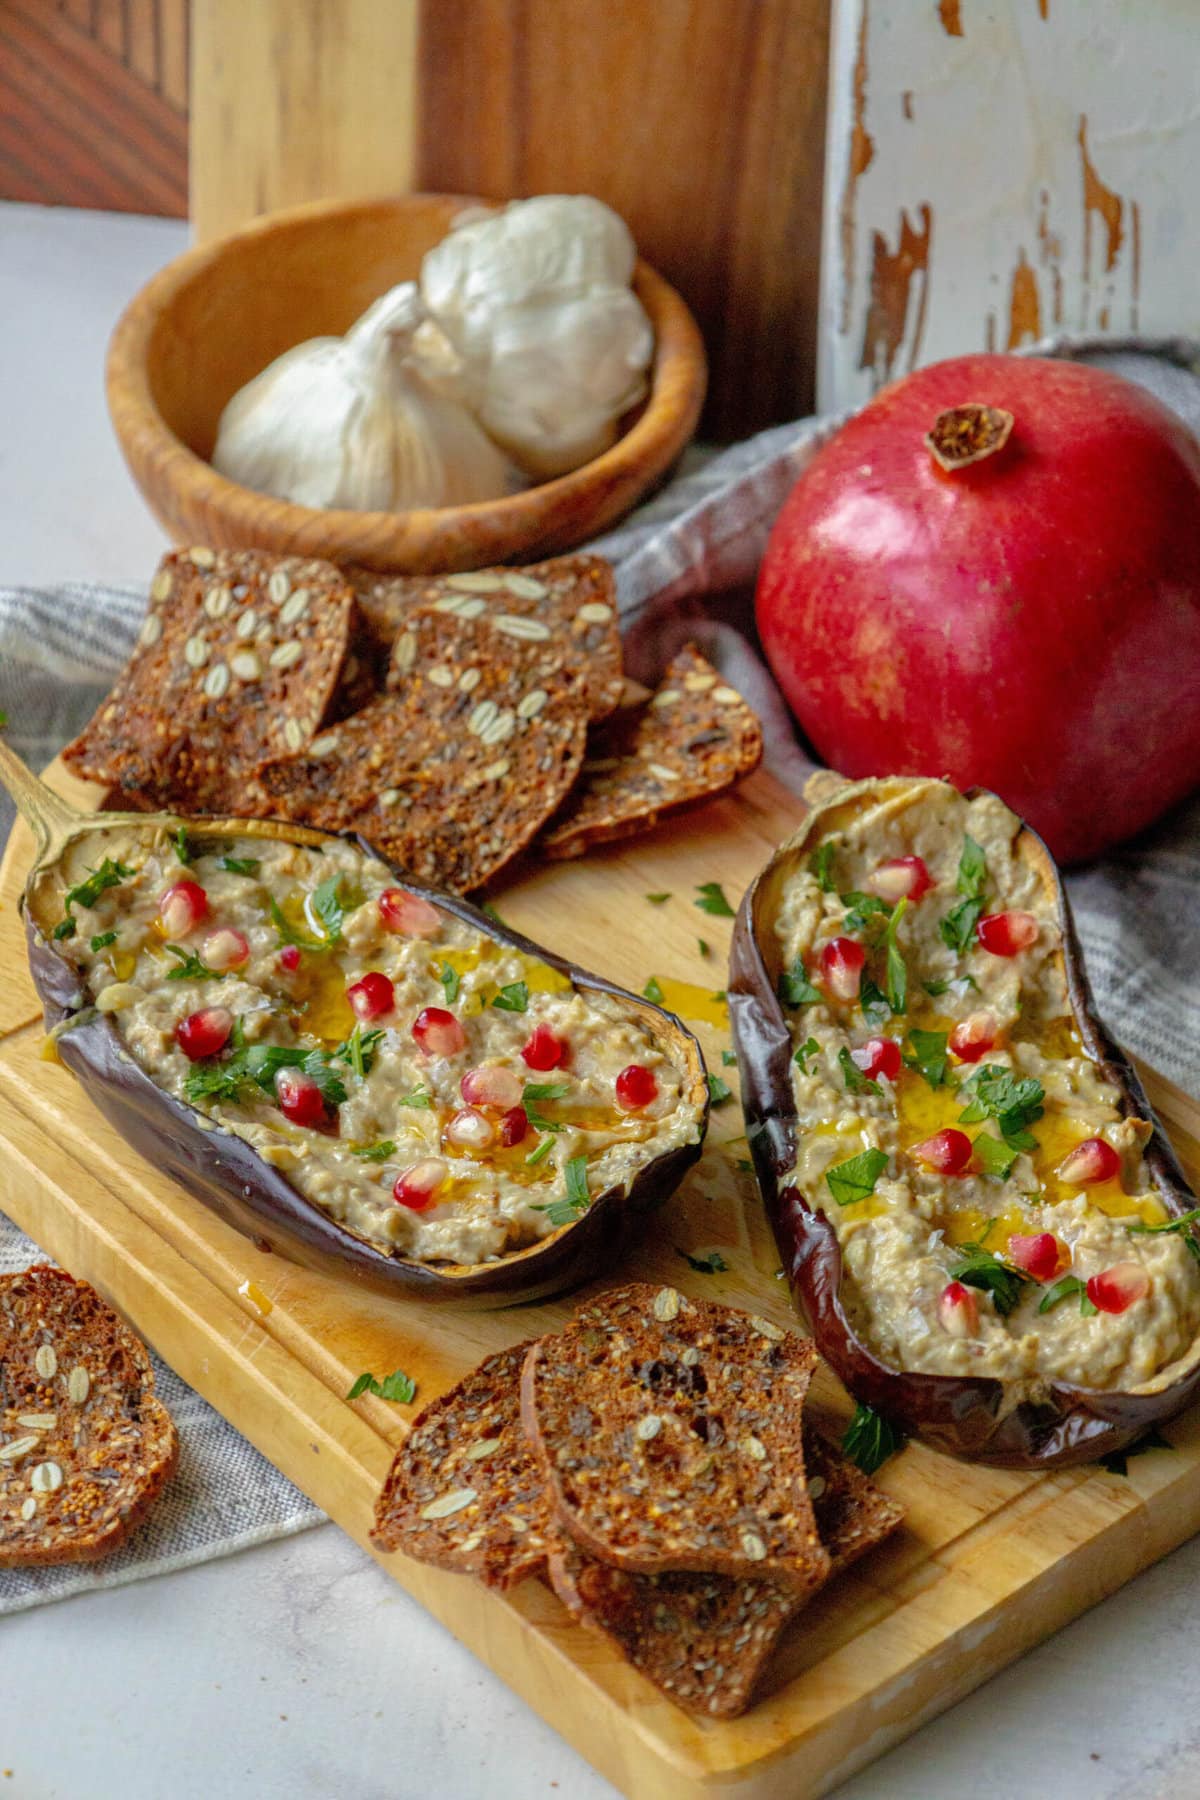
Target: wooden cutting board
988, 1563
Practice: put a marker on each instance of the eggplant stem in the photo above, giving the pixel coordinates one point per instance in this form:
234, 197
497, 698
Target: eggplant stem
48, 816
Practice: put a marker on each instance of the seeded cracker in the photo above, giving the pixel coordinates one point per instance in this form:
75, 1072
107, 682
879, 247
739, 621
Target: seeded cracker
853, 1515
464, 1493
696, 737
238, 660
668, 1431
452, 774
567, 604
85, 1447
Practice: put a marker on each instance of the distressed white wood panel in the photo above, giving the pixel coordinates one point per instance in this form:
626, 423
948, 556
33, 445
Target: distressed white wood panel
1000, 169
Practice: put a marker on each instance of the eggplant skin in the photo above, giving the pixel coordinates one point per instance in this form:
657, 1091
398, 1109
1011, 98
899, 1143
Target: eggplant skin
972, 1417
226, 1173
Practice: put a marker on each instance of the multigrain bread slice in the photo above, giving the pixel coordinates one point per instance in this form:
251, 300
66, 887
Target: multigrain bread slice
668, 1431
567, 605
85, 1446
853, 1515
464, 1492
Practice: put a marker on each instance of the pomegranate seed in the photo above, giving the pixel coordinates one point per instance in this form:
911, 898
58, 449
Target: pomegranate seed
1041, 1256
878, 1056
1090, 1162
636, 1088
469, 1130
1115, 1290
181, 908
544, 1050
372, 996
974, 1037
491, 1085
946, 1152
438, 1032
289, 958
299, 1097
842, 963
417, 1186
514, 1126
204, 1033
1007, 933
408, 914
904, 878
958, 1310
226, 949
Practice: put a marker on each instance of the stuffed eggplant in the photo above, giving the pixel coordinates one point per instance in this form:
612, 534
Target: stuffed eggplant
986, 1227
371, 1077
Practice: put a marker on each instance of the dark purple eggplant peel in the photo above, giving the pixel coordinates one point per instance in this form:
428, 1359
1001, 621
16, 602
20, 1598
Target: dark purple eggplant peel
980, 1418
226, 1172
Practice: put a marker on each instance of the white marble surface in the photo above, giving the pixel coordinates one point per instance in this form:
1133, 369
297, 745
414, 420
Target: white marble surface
299, 1671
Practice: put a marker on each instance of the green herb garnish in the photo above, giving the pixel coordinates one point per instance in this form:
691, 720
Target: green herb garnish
958, 926
801, 1056
1180, 1225
929, 1055
855, 1179
1066, 1289
1014, 1104
104, 940
712, 900
652, 991
658, 899
397, 1386
994, 1156
795, 989
240, 865
514, 998
417, 1096
982, 1268
729, 1059
376, 1152
713, 1263
543, 1150
703, 946
874, 1001
870, 1439
110, 874
451, 982
578, 1196
254, 1066
326, 905
856, 1082
718, 1091
864, 908
183, 850
820, 864
288, 934
895, 981
358, 1050
543, 1090
191, 967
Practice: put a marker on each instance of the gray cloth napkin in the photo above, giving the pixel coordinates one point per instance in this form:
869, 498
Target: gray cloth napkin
685, 568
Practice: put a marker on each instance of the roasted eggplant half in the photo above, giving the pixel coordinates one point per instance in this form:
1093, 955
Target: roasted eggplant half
975, 1207
370, 1077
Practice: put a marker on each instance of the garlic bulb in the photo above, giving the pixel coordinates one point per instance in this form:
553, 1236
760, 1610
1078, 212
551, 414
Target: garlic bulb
366, 421
553, 343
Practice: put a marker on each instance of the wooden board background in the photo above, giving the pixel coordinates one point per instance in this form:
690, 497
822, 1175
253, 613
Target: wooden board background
988, 1562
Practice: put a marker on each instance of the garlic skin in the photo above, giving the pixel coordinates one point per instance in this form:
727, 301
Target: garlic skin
364, 422
554, 345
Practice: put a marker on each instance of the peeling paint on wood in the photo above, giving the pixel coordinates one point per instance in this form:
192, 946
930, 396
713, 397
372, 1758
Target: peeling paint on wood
999, 171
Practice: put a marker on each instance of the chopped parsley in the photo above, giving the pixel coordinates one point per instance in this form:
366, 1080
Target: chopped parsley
375, 1152
874, 1002
542, 1090
895, 981
958, 926
960, 984
451, 982
491, 912
255, 1066
417, 1096
863, 909
397, 1386
718, 1091
577, 1198
982, 1268
704, 947
994, 1156
1066, 1289
820, 864
288, 934
104, 940
1014, 1104
729, 1059
712, 1263
326, 905
110, 874
1180, 1225
514, 998
712, 900
240, 865
652, 991
795, 988
855, 1179
856, 1082
183, 850
543, 1150
358, 1050
801, 1056
870, 1439
191, 967
658, 899
929, 1055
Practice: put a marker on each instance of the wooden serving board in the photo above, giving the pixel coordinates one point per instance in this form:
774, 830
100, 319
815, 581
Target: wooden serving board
987, 1564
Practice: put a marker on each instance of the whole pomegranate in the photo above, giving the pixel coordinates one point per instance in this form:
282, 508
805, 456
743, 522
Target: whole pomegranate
1025, 618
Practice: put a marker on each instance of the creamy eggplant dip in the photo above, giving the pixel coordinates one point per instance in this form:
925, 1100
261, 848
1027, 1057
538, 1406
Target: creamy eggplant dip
993, 1207
441, 1094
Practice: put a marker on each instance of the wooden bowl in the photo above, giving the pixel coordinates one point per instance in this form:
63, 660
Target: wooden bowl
216, 316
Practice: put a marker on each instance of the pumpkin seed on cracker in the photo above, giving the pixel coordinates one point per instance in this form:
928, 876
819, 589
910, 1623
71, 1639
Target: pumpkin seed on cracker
694, 739
463, 1491
454, 772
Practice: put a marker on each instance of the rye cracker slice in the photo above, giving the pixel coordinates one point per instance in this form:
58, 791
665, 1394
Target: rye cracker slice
568, 603
853, 1515
696, 738
238, 660
668, 1432
464, 1492
451, 775
85, 1447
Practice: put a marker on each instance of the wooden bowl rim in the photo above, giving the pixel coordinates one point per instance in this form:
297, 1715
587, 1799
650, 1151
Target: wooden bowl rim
643, 452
